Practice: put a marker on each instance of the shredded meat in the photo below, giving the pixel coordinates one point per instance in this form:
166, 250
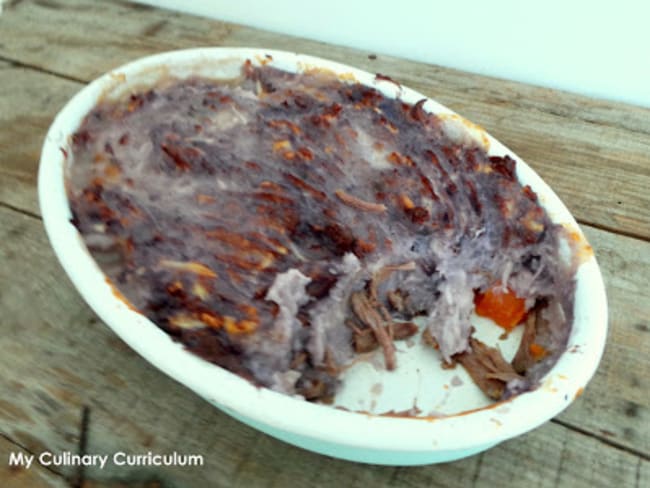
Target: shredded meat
369, 316
378, 326
365, 340
253, 220
487, 367
396, 300
523, 358
537, 330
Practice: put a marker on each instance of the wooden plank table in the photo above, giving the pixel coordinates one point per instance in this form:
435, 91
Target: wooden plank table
68, 383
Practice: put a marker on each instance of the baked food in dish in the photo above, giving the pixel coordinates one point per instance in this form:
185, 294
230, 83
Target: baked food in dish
280, 224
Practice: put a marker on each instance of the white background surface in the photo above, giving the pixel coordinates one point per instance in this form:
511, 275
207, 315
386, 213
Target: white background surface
596, 48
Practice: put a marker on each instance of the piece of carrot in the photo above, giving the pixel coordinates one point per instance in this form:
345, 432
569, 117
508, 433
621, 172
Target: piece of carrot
504, 307
537, 351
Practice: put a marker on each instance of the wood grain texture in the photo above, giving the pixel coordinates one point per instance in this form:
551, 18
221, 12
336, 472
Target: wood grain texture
595, 154
616, 405
40, 406
64, 358
17, 477
29, 103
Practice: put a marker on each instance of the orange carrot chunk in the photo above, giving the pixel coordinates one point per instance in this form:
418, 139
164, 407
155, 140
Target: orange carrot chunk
537, 351
504, 307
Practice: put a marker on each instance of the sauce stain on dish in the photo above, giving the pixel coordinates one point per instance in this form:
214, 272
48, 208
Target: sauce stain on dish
120, 296
377, 389
582, 250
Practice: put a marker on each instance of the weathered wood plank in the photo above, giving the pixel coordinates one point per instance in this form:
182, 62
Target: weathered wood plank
548, 457
39, 407
617, 403
553, 461
151, 30
28, 104
64, 359
642, 474
594, 153
19, 477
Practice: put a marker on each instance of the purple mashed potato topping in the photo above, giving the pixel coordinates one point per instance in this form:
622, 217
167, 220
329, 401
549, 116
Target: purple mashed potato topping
280, 224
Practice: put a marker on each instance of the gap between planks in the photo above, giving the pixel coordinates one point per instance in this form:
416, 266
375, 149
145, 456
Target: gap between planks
78, 479
19, 210
31, 453
19, 64
604, 440
613, 230
477, 470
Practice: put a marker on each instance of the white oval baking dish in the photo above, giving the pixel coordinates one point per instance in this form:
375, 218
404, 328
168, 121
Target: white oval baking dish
470, 426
